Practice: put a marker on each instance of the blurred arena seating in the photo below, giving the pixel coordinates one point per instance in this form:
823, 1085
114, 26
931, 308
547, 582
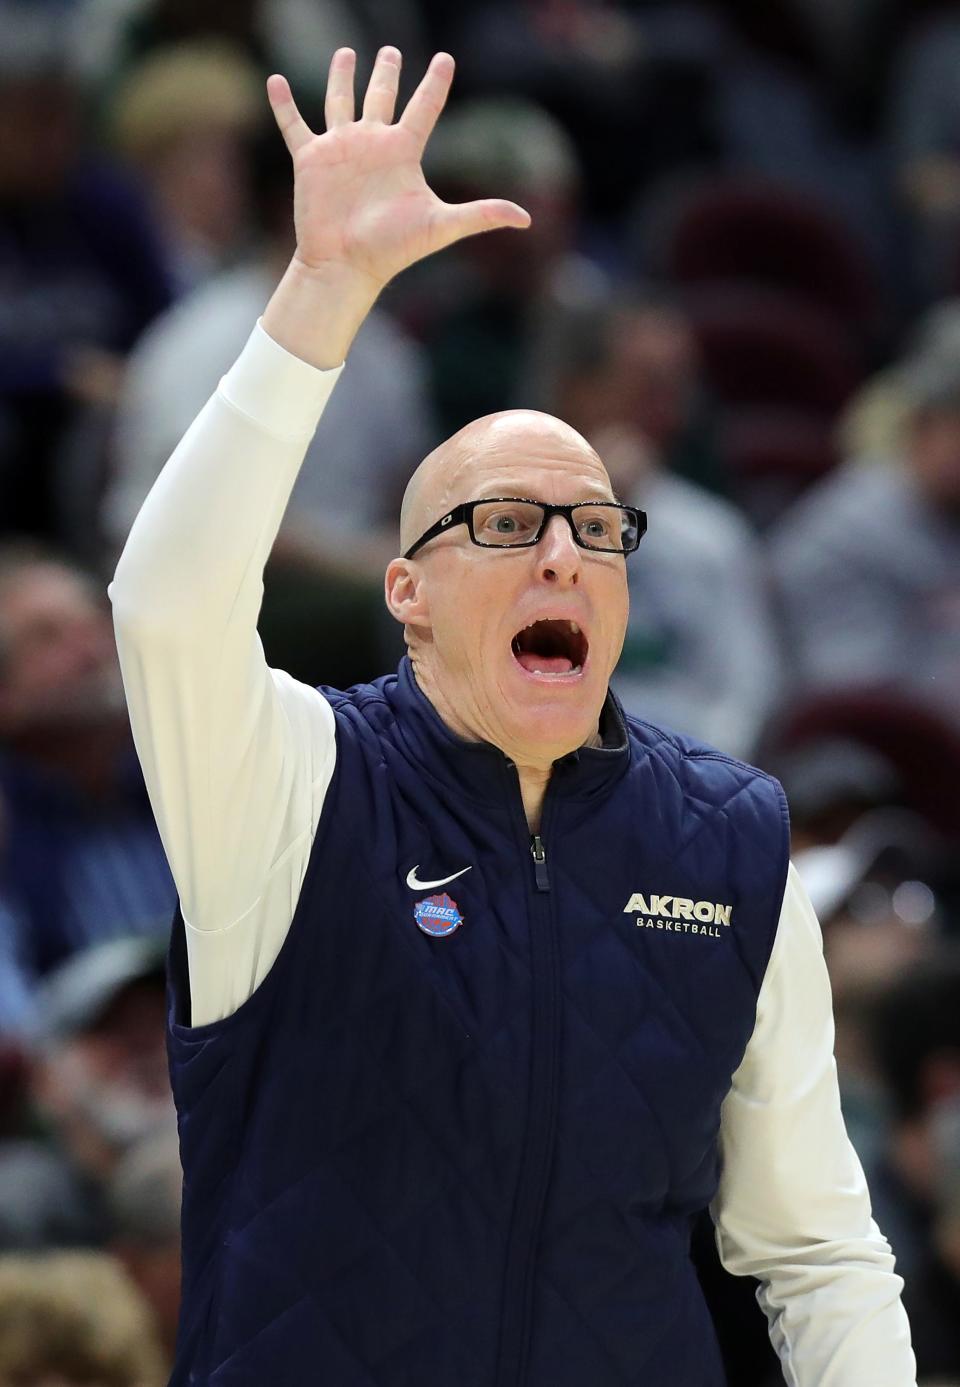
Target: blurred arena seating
737, 285
750, 231
762, 347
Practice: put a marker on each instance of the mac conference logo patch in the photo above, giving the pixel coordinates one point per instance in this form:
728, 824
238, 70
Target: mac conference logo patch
438, 915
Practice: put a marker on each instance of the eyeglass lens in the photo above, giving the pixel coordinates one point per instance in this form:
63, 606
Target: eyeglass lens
518, 522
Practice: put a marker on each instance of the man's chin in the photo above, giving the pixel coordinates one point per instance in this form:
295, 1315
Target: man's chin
554, 713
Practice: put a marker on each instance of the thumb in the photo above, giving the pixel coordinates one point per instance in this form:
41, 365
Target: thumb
454, 221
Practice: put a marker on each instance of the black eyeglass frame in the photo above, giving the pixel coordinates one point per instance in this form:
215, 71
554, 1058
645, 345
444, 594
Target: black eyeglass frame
463, 514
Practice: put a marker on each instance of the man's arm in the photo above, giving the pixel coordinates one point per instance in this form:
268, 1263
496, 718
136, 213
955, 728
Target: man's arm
236, 756
793, 1207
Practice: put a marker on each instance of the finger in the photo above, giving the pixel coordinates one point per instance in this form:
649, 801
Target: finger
338, 107
429, 99
294, 129
381, 98
457, 220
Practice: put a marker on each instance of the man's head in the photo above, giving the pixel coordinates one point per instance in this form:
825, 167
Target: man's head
71, 1317
40, 103
58, 660
100, 1076
632, 363
181, 117
476, 618
520, 149
931, 388
934, 456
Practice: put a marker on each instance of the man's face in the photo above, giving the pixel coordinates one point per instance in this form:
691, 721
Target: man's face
39, 131
108, 1086
490, 629
935, 458
62, 667
653, 372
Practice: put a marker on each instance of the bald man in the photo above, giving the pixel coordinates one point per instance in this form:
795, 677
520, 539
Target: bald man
480, 992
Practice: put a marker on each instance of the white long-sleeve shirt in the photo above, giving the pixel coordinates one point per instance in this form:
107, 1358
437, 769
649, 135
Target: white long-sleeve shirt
237, 758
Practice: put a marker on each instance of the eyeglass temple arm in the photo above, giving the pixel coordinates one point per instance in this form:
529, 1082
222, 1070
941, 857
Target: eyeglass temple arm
453, 517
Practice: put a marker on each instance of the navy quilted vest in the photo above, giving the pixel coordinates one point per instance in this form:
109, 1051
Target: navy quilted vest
458, 1136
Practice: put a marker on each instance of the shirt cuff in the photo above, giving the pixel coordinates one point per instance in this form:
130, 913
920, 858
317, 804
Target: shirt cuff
275, 388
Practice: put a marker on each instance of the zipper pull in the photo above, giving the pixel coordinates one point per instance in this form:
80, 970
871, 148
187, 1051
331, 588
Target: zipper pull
540, 862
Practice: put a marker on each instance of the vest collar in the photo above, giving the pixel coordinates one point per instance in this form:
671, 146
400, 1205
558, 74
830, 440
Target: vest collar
480, 769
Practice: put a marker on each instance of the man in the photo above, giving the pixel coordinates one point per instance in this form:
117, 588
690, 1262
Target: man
71, 1317
505, 302
96, 1085
860, 609
473, 961
914, 1031
81, 858
700, 651
83, 272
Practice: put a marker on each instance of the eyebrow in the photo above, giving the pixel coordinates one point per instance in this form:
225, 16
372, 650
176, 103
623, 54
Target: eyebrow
520, 495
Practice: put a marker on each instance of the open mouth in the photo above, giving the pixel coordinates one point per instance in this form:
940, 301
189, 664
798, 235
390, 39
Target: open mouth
550, 647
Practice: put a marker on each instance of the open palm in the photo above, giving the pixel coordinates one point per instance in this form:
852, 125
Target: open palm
360, 198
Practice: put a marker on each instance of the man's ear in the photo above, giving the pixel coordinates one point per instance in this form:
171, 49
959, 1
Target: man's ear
405, 593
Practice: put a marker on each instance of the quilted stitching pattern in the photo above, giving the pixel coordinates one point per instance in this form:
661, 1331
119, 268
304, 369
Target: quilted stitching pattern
352, 1136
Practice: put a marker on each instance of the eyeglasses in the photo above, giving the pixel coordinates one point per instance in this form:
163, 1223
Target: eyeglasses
513, 522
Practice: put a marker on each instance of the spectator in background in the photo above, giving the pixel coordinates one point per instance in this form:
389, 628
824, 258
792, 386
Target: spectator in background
609, 76
97, 1087
915, 1189
868, 560
323, 588
830, 782
17, 1006
18, 1014
874, 888
83, 860
297, 37
876, 422
863, 959
144, 1202
179, 118
700, 653
82, 275
925, 138
72, 1319
494, 314
637, 363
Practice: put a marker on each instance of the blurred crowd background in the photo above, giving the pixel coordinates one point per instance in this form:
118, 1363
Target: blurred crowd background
742, 284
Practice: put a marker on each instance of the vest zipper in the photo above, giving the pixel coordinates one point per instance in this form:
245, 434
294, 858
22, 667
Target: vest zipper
540, 1135
540, 862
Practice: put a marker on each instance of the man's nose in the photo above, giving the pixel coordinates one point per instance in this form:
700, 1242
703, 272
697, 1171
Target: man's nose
558, 554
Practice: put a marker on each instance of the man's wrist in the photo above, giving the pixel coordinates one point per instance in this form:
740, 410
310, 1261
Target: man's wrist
316, 311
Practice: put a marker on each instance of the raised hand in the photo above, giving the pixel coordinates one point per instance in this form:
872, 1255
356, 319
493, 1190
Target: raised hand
361, 202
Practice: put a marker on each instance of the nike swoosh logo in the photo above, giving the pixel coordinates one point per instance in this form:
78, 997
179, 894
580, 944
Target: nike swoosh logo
416, 885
